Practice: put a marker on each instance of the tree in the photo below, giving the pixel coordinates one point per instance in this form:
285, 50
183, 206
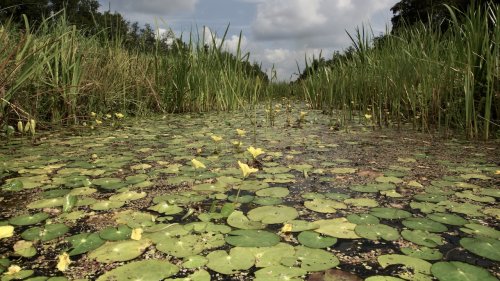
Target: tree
35, 10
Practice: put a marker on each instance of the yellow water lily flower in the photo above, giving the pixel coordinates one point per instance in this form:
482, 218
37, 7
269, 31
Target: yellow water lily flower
64, 262
241, 132
237, 143
108, 115
216, 138
246, 169
93, 114
6, 231
286, 228
197, 164
98, 122
136, 234
13, 269
255, 151
119, 115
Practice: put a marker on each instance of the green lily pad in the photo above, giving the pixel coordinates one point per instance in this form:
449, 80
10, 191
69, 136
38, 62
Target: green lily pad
141, 270
445, 218
229, 263
241, 199
109, 183
128, 196
418, 265
389, 213
427, 207
122, 232
484, 247
300, 225
23, 274
46, 203
135, 219
239, 220
424, 224
388, 179
324, 205
362, 219
273, 214
189, 245
54, 193
361, 202
481, 230
339, 228
106, 205
194, 261
279, 192
268, 201
423, 238
119, 251
271, 256
376, 231
423, 253
28, 219
475, 176
460, 271
314, 240
84, 242
166, 208
279, 273
13, 185
315, 259
200, 275
428, 197
383, 278
46, 233
337, 196
252, 238
24, 249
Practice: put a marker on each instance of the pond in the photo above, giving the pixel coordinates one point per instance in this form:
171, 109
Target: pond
227, 196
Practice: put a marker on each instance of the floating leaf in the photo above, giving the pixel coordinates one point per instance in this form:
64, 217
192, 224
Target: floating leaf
481, 230
418, 265
24, 249
128, 196
141, 270
423, 253
28, 219
271, 256
166, 208
122, 232
361, 202
279, 273
106, 205
484, 247
119, 251
362, 219
273, 214
460, 271
389, 213
252, 238
239, 220
424, 224
279, 192
343, 170
84, 242
450, 219
315, 259
314, 240
324, 205
189, 245
390, 179
339, 228
229, 263
300, 225
46, 203
194, 262
423, 238
333, 275
376, 231
49, 232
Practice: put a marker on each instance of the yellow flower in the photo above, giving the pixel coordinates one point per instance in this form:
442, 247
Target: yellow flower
246, 169
497, 172
64, 262
108, 115
197, 164
368, 116
216, 138
32, 126
20, 126
237, 143
119, 115
303, 114
286, 228
255, 151
136, 234
6, 231
13, 269
241, 132
98, 122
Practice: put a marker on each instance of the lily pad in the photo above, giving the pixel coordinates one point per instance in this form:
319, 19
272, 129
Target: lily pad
376, 231
271, 256
279, 192
273, 214
28, 219
314, 240
423, 238
189, 245
122, 232
300, 225
423, 253
279, 273
141, 270
166, 208
252, 238
445, 218
460, 271
194, 261
119, 251
109, 183
484, 247
128, 196
324, 205
390, 213
424, 224
339, 228
361, 202
481, 230
200, 275
46, 233
84, 242
268, 201
315, 259
106, 205
229, 263
343, 170
363, 219
46, 203
239, 220
418, 265
24, 249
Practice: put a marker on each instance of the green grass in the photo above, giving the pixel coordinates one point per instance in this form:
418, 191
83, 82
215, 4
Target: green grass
433, 80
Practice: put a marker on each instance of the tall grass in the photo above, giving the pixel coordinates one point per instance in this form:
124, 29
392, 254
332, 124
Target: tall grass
58, 75
433, 80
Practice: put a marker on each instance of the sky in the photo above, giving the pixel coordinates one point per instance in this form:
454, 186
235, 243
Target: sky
277, 33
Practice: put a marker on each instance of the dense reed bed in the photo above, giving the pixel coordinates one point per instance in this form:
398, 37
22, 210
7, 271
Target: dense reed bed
419, 75
55, 73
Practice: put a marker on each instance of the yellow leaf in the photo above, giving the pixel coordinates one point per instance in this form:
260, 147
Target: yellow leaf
32, 126
241, 132
246, 169
286, 228
136, 234
6, 231
255, 151
20, 126
64, 262
216, 138
197, 164
13, 269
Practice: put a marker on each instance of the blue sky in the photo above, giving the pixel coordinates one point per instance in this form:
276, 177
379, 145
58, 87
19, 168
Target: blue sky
275, 32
